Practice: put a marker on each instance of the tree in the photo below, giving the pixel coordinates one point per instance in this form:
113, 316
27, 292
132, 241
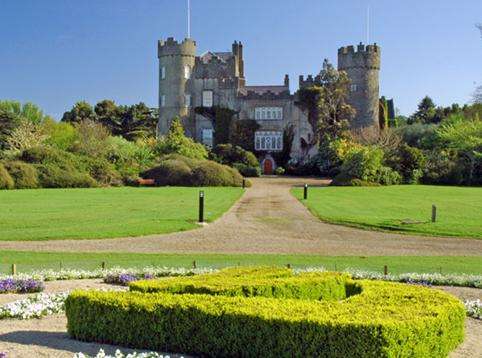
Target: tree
27, 111
326, 103
477, 96
426, 112
25, 136
130, 122
176, 142
8, 122
80, 112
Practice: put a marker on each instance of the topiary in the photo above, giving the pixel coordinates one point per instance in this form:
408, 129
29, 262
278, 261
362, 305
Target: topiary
229, 154
279, 171
6, 181
209, 173
24, 175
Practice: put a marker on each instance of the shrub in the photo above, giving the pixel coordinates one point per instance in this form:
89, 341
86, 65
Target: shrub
366, 165
103, 172
178, 170
24, 175
247, 171
229, 154
279, 171
6, 181
170, 172
52, 176
176, 142
49, 155
380, 319
209, 173
409, 162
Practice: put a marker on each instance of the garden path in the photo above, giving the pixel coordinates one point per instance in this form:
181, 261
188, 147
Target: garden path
268, 220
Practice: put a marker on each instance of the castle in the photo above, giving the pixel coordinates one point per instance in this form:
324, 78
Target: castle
188, 81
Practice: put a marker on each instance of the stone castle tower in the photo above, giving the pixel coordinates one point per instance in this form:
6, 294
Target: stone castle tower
363, 67
176, 63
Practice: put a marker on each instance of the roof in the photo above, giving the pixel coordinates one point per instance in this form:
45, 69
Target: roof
264, 89
221, 56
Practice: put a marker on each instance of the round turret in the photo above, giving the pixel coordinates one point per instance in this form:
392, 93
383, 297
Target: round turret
176, 64
363, 67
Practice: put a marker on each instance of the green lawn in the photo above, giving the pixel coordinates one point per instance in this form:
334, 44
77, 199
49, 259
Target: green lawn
403, 208
46, 214
28, 261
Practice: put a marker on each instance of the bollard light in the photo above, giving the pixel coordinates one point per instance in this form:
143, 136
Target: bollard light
305, 192
201, 206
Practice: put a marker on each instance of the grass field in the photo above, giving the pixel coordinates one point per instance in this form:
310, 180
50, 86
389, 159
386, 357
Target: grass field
46, 214
403, 208
28, 261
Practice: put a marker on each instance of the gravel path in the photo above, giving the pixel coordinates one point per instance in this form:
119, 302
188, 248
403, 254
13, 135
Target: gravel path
268, 220
47, 337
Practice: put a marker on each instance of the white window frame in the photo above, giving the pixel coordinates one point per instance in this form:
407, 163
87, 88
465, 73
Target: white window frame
271, 141
208, 98
163, 100
353, 87
268, 113
187, 100
207, 136
163, 72
187, 72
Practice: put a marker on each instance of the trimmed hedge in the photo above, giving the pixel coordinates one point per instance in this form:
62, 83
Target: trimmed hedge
24, 175
383, 320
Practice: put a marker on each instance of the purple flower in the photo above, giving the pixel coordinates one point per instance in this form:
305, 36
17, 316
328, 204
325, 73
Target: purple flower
20, 286
125, 278
3, 354
148, 276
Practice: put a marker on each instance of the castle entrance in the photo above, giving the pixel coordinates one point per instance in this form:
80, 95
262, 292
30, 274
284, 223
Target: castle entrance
268, 166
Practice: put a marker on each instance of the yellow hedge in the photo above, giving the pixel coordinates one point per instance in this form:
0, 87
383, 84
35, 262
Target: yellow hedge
382, 320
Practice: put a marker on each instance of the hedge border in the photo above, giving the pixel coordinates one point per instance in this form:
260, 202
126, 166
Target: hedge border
384, 320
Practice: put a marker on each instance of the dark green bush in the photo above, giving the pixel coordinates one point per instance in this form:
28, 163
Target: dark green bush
178, 170
209, 173
170, 172
6, 181
52, 176
380, 319
60, 158
247, 171
229, 155
103, 172
408, 161
24, 175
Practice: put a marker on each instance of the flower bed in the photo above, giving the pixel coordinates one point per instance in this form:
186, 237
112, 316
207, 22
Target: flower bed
474, 308
19, 285
35, 307
119, 354
383, 319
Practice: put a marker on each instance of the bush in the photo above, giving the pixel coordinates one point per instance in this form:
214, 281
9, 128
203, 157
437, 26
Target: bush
409, 162
209, 173
247, 171
176, 142
6, 181
229, 155
238, 316
178, 170
52, 176
24, 175
103, 172
170, 172
279, 171
366, 165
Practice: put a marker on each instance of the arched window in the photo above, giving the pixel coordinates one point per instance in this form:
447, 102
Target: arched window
187, 72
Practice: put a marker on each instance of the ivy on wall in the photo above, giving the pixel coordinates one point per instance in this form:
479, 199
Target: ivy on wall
221, 118
242, 133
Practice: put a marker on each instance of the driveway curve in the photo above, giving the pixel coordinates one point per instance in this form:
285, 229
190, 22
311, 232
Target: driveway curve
268, 220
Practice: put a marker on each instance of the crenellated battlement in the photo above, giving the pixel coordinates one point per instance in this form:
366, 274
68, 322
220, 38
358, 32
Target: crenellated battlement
310, 81
360, 57
171, 47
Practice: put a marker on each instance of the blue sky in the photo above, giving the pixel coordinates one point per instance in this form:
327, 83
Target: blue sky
56, 52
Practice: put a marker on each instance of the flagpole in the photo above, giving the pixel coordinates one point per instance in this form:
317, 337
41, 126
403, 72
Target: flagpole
188, 19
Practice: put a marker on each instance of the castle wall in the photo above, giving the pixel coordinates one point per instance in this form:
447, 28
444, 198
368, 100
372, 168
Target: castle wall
362, 66
174, 56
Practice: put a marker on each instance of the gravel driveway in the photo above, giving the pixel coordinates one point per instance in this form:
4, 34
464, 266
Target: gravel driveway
269, 220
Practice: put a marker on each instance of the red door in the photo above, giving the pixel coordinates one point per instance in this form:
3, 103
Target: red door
268, 167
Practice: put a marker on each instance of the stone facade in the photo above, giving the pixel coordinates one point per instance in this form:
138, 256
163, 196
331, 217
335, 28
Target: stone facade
187, 81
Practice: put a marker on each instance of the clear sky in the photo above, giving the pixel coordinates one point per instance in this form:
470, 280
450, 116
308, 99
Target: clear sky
56, 52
